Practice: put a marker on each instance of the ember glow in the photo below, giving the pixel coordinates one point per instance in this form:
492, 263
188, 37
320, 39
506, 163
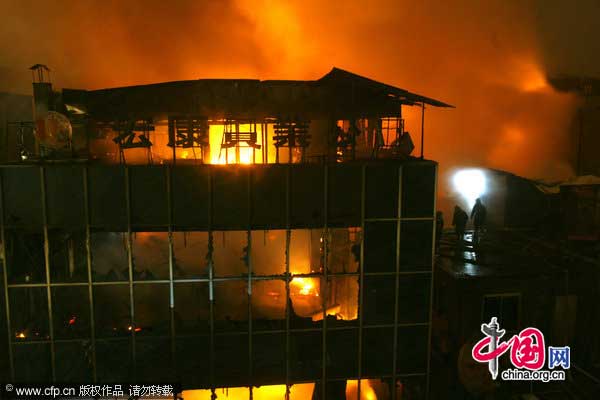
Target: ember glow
305, 286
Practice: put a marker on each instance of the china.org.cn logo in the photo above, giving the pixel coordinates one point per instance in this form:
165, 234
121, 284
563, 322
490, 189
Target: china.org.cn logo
527, 352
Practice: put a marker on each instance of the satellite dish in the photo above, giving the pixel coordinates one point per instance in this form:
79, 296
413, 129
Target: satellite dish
54, 131
474, 376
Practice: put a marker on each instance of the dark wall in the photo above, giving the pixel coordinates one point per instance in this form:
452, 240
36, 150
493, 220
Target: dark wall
526, 206
224, 198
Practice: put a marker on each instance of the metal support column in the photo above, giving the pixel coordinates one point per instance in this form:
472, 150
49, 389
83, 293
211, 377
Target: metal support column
5, 281
211, 284
130, 268
288, 237
429, 333
397, 289
422, 130
168, 175
361, 286
47, 267
249, 263
324, 288
88, 251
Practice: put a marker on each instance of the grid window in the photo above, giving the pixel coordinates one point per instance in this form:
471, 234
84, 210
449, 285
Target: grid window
192, 308
150, 255
412, 350
380, 246
231, 306
112, 310
109, 256
306, 355
230, 253
226, 324
25, 257
414, 298
71, 309
416, 241
29, 314
68, 257
190, 250
378, 351
268, 304
343, 250
231, 360
152, 314
192, 360
379, 299
342, 346
268, 252
268, 356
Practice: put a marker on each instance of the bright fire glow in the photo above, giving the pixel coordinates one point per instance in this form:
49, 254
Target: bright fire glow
246, 154
305, 286
271, 392
21, 335
366, 390
277, 392
470, 183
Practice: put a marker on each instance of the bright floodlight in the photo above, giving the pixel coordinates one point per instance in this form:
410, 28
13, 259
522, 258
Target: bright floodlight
470, 183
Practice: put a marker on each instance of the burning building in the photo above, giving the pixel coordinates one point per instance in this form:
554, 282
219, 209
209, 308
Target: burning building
220, 233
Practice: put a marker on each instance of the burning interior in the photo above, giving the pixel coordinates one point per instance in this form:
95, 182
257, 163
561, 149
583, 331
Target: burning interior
309, 265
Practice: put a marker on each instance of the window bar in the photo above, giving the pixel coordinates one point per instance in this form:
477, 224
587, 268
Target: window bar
211, 286
288, 237
423, 131
397, 289
5, 281
88, 253
324, 291
361, 286
248, 255
265, 143
429, 333
168, 173
173, 135
47, 265
130, 268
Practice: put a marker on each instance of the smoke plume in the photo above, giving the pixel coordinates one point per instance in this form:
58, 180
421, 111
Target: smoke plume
489, 59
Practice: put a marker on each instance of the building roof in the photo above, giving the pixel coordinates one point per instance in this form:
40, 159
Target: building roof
500, 254
341, 77
339, 93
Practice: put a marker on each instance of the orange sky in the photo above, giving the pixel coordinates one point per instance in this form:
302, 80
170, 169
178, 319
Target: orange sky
489, 60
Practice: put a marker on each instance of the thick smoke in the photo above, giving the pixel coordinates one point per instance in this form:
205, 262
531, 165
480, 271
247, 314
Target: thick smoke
489, 59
